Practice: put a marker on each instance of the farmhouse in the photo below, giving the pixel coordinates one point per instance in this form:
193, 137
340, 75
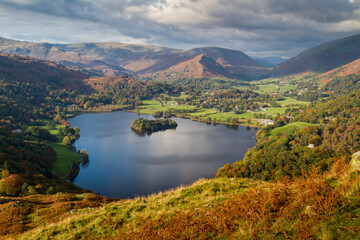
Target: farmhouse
266, 122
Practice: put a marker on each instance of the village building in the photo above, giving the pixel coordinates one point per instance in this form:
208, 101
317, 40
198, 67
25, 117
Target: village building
266, 122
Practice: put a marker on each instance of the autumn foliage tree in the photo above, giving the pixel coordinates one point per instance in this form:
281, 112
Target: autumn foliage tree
13, 184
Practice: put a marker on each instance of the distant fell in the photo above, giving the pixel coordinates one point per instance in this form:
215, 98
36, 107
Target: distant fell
269, 61
115, 59
322, 58
14, 68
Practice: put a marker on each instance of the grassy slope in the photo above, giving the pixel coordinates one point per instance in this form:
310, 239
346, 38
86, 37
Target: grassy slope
223, 209
203, 193
290, 127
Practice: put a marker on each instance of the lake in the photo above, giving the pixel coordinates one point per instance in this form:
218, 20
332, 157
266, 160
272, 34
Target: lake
124, 164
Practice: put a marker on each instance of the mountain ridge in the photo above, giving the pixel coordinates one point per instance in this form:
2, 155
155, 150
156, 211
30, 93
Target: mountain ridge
41, 73
114, 59
322, 58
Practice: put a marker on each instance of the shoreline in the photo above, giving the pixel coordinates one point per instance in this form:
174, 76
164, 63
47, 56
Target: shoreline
204, 121
130, 108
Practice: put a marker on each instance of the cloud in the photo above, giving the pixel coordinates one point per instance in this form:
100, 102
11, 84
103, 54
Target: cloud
259, 27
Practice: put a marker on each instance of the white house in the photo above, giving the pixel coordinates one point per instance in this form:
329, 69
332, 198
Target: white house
16, 131
266, 122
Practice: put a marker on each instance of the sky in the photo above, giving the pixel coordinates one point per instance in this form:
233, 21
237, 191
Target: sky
260, 28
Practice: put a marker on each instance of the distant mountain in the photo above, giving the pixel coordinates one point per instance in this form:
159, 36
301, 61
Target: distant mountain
14, 68
264, 62
114, 59
269, 61
323, 58
201, 66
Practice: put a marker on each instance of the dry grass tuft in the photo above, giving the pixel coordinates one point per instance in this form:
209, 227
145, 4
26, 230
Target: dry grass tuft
13, 220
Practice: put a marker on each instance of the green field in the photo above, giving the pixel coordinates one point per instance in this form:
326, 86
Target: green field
290, 127
274, 111
290, 101
150, 107
64, 157
204, 112
265, 81
270, 85
223, 116
269, 88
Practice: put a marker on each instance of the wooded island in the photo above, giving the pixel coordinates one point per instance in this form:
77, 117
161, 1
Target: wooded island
149, 126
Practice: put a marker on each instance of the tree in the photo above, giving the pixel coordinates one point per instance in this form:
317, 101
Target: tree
316, 140
89, 104
66, 140
32, 190
50, 190
77, 130
2, 187
13, 184
58, 117
5, 173
85, 155
5, 166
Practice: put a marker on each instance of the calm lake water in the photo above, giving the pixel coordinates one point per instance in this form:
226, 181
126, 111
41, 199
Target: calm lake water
124, 165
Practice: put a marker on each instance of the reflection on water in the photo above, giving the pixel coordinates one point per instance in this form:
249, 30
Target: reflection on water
124, 164
232, 127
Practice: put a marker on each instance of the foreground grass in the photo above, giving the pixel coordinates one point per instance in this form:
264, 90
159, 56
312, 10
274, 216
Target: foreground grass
316, 206
108, 220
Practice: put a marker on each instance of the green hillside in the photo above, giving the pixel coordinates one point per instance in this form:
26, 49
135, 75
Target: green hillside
290, 127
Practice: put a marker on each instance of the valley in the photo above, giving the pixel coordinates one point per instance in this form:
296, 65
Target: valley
284, 135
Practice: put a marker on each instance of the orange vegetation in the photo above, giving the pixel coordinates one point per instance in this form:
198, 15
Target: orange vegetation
348, 69
15, 211
304, 202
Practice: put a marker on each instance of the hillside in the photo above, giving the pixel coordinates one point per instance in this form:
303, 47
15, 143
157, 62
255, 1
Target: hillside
312, 206
322, 58
200, 66
343, 71
114, 59
40, 73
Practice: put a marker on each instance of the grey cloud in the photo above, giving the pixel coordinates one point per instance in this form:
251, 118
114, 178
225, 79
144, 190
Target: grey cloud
326, 11
247, 25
